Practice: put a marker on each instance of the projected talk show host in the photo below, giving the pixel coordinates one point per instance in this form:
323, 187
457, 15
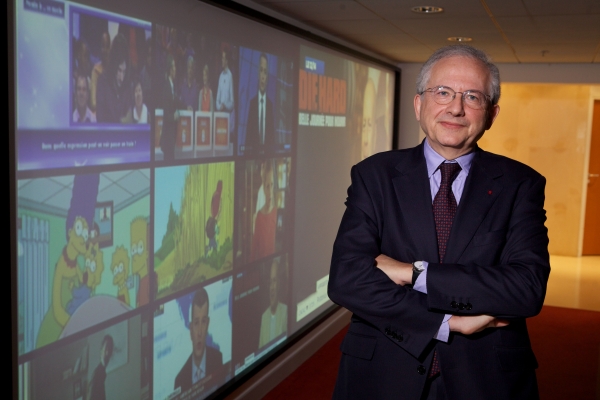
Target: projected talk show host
204, 359
260, 128
442, 253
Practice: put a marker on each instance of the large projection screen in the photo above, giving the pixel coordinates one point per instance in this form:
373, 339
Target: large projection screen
180, 172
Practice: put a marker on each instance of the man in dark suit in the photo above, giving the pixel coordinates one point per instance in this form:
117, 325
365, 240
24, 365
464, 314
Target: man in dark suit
204, 360
169, 103
451, 325
260, 127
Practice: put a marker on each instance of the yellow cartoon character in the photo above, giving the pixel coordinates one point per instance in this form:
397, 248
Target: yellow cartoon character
67, 276
120, 270
139, 258
94, 267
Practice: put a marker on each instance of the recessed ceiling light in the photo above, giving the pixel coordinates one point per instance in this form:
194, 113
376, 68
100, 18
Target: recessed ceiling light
427, 9
459, 39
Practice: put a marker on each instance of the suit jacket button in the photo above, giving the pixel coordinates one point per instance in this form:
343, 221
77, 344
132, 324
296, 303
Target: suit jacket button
421, 370
461, 306
469, 306
399, 338
454, 304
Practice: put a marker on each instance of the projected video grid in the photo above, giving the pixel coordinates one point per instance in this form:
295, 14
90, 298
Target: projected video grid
156, 201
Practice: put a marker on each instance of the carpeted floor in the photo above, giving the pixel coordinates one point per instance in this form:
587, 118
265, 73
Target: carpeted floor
566, 343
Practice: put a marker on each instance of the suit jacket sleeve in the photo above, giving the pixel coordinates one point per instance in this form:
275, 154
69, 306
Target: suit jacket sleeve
358, 285
499, 262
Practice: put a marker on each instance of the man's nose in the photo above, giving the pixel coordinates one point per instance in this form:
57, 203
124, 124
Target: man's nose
456, 107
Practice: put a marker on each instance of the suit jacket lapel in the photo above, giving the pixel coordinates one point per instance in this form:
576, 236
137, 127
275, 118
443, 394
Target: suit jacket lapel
481, 191
414, 197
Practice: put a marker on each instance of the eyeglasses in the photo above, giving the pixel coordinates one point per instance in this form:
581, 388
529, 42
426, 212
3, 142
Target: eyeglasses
472, 98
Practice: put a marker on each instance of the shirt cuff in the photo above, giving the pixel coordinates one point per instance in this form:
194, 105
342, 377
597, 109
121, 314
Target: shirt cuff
444, 332
421, 282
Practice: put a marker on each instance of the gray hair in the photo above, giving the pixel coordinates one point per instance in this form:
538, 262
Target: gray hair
461, 50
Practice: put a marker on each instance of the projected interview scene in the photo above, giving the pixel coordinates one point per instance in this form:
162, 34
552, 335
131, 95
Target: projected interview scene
265, 103
195, 103
344, 104
263, 193
83, 254
340, 93
193, 224
112, 363
261, 309
192, 342
79, 92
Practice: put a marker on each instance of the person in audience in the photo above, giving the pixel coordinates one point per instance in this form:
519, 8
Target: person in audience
139, 111
82, 113
113, 100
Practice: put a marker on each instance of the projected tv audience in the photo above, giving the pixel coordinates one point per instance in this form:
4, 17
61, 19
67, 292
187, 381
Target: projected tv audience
274, 320
204, 359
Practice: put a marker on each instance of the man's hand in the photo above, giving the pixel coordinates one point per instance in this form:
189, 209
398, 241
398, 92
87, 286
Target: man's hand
468, 325
399, 272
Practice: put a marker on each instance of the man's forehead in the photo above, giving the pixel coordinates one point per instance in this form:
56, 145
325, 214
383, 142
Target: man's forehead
199, 311
459, 69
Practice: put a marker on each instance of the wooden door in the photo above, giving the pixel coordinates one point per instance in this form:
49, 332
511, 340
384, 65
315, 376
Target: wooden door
591, 233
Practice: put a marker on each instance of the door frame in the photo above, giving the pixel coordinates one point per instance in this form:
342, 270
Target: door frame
594, 96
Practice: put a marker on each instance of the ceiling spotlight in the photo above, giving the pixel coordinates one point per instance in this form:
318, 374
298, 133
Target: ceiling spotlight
427, 9
459, 39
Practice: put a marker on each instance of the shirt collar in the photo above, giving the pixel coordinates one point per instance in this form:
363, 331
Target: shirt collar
202, 366
434, 160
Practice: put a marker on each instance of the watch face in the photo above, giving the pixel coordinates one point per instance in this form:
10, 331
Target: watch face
418, 266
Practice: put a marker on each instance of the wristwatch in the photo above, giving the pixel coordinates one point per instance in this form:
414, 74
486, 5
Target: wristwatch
418, 267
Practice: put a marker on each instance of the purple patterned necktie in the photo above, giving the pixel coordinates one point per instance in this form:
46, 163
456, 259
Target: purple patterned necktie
444, 206
444, 209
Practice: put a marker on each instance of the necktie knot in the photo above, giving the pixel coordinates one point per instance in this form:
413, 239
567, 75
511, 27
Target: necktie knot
449, 172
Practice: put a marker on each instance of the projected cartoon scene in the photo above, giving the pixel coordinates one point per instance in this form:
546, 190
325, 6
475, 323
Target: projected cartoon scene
195, 103
265, 103
75, 267
192, 342
193, 229
103, 365
263, 215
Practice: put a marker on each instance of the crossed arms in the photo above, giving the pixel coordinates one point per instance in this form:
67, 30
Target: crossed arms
503, 270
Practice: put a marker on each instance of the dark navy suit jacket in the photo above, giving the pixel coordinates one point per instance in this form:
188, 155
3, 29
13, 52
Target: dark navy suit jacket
496, 263
214, 362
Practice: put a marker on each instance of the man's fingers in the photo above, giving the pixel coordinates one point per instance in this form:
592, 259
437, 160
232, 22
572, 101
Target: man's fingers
499, 323
468, 325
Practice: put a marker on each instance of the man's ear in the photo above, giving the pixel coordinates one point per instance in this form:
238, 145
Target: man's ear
491, 116
417, 104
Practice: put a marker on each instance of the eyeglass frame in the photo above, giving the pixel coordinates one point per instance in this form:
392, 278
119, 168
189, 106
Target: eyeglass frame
435, 88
